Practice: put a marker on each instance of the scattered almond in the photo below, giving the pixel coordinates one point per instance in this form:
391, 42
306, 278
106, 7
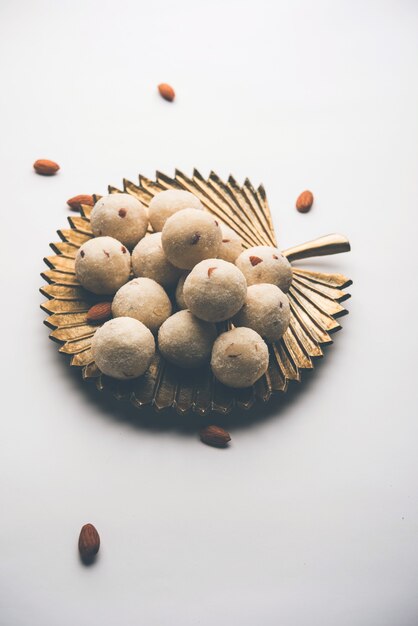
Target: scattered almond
100, 312
255, 260
88, 543
210, 270
305, 201
166, 92
46, 167
76, 202
215, 436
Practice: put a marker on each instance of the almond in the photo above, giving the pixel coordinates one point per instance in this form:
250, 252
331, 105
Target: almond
100, 312
88, 543
46, 167
76, 202
305, 201
166, 92
215, 436
255, 260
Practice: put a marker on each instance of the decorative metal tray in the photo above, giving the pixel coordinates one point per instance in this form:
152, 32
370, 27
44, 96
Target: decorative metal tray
315, 301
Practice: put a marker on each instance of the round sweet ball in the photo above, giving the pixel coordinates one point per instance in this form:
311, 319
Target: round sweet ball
102, 265
123, 348
166, 203
190, 236
239, 357
185, 340
144, 300
266, 310
231, 245
121, 216
179, 292
149, 261
265, 264
215, 290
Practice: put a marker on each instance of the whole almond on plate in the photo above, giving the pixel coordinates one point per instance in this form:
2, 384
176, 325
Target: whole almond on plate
166, 92
88, 542
215, 436
76, 202
304, 201
46, 167
99, 312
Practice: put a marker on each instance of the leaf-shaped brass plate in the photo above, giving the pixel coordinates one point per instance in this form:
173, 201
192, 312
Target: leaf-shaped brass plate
315, 300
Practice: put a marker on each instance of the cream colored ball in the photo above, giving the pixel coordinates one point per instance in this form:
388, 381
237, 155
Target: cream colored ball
123, 348
266, 310
186, 341
121, 216
149, 261
239, 357
166, 203
265, 264
144, 300
102, 265
179, 292
231, 245
190, 236
215, 290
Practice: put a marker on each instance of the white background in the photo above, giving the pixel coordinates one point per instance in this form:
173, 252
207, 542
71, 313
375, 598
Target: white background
311, 516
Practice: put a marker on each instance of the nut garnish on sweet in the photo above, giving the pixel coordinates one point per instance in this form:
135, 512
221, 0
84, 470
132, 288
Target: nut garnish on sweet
265, 264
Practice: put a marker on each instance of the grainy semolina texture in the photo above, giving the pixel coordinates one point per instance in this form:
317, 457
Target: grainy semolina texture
185, 340
179, 292
149, 261
168, 202
231, 245
215, 290
239, 357
190, 236
123, 348
121, 216
102, 265
265, 264
266, 310
144, 300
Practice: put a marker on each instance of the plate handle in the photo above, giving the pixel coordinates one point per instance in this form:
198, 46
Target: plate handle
329, 244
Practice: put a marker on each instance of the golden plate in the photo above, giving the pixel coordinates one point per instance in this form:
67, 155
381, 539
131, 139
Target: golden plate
315, 301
